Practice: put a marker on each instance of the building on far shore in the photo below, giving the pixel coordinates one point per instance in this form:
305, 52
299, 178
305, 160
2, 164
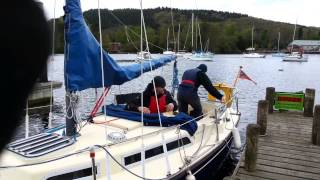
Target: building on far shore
115, 47
309, 46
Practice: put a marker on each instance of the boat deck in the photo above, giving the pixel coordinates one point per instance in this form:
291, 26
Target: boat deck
286, 152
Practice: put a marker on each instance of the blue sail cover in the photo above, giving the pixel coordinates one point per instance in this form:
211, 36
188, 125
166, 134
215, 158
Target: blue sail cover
153, 119
82, 56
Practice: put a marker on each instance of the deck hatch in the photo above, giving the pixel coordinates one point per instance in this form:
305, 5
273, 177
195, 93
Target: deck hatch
39, 145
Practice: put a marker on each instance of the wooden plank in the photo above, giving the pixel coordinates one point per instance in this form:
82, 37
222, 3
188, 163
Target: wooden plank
286, 146
290, 151
288, 172
289, 138
294, 141
306, 145
284, 126
287, 155
301, 132
289, 160
243, 176
284, 165
270, 175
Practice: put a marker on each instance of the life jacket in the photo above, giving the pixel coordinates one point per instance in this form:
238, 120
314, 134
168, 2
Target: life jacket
189, 77
162, 101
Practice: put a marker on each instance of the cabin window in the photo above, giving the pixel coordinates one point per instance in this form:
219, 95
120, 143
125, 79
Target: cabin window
132, 159
175, 144
83, 173
156, 151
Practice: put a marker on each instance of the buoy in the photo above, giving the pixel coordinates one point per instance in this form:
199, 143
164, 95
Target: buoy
236, 138
190, 176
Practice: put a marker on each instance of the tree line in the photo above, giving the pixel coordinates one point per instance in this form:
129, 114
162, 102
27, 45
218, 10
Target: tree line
222, 32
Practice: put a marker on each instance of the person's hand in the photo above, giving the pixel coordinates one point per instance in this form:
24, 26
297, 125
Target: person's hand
223, 99
144, 109
169, 107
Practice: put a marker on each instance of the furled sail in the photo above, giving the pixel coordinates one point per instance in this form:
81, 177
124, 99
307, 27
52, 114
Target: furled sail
82, 56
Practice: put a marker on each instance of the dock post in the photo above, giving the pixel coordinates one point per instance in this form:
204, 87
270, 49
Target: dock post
309, 102
262, 116
316, 126
252, 147
270, 93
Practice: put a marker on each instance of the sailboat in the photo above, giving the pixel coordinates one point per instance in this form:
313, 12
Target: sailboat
252, 54
295, 56
278, 54
119, 144
200, 55
168, 52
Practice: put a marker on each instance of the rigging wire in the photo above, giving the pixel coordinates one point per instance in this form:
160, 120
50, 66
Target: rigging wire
52, 62
129, 38
108, 170
133, 32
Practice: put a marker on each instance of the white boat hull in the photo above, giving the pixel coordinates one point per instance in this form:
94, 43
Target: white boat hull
168, 53
295, 58
254, 55
201, 57
210, 142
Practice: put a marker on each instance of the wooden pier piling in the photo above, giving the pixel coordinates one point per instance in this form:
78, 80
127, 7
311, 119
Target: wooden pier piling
262, 115
270, 93
253, 131
309, 102
316, 126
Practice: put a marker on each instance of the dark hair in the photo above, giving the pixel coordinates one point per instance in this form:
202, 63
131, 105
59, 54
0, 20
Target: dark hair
202, 67
159, 81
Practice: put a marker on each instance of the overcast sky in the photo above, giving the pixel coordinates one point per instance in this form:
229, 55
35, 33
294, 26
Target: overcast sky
307, 12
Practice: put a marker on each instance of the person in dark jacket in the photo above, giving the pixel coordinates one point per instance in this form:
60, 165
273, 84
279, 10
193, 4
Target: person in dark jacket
188, 90
165, 101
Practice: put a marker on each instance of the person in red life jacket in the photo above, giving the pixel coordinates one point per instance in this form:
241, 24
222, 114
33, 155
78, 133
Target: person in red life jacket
165, 101
188, 90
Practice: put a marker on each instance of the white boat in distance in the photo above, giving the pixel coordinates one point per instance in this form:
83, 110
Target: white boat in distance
295, 57
254, 55
168, 52
201, 56
250, 50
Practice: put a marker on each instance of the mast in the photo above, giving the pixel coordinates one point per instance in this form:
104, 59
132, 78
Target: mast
178, 39
278, 42
200, 38
168, 40
141, 31
196, 34
252, 37
294, 34
192, 31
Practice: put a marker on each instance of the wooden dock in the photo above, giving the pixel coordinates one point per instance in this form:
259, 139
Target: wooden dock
286, 151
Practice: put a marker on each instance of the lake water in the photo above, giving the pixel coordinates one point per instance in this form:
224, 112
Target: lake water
265, 71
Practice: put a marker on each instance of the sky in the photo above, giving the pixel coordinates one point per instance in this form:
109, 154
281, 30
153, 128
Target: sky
305, 12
